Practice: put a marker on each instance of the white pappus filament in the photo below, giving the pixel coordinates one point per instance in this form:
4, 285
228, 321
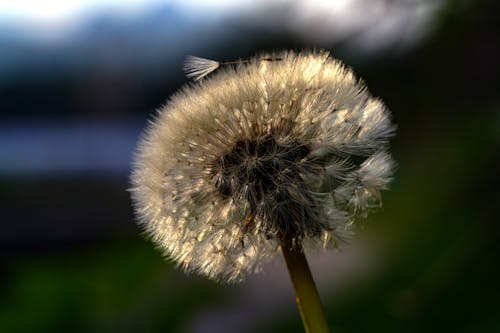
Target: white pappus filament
196, 68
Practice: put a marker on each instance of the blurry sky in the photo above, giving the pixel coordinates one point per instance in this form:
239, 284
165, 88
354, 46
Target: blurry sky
368, 25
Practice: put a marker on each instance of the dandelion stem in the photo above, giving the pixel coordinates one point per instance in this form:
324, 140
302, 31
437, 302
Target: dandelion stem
306, 294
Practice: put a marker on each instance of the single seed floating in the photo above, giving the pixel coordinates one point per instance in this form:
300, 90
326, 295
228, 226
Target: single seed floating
282, 146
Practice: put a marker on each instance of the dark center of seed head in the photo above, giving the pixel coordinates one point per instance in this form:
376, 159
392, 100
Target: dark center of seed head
266, 175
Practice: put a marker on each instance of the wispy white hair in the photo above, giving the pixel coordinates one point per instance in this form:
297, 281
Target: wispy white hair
291, 145
196, 68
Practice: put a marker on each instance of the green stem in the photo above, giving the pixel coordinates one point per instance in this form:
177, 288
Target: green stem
306, 294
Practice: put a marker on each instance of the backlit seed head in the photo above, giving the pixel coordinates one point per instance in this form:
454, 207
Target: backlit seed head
288, 145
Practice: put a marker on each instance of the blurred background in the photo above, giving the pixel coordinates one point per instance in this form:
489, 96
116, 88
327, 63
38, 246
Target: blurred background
79, 81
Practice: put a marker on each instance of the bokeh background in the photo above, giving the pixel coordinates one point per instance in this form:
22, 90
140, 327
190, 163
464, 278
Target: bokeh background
79, 81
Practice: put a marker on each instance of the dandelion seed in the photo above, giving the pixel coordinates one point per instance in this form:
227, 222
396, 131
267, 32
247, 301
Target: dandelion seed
259, 155
197, 68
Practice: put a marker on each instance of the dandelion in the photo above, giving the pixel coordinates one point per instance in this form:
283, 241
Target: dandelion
284, 151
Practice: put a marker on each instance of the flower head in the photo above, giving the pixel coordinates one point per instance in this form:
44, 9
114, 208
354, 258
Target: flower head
288, 146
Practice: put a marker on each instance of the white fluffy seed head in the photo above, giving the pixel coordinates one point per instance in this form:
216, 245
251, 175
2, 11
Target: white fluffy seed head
290, 145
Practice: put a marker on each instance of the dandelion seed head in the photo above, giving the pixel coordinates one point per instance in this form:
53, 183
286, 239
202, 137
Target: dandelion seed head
287, 145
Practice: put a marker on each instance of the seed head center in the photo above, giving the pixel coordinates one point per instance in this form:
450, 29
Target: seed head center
257, 168
262, 175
